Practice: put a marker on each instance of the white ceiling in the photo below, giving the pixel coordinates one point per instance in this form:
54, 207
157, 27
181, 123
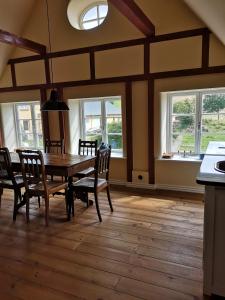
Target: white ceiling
212, 13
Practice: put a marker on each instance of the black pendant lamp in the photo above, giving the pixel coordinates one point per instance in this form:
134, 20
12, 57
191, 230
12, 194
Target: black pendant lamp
54, 103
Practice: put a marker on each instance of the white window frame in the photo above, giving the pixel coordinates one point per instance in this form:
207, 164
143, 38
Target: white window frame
198, 115
115, 152
33, 120
98, 19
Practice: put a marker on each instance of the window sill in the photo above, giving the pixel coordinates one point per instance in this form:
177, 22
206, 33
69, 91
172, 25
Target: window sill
117, 155
176, 158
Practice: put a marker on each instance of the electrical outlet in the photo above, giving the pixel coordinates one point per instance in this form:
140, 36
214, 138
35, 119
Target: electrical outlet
140, 177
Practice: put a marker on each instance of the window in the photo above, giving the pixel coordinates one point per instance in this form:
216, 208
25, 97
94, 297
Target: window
93, 16
28, 125
195, 118
101, 120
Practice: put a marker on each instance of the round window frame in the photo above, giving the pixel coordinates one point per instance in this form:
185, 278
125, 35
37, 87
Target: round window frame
89, 7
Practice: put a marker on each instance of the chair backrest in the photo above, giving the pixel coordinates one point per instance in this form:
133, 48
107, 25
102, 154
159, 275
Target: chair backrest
5, 164
54, 146
102, 163
87, 147
32, 166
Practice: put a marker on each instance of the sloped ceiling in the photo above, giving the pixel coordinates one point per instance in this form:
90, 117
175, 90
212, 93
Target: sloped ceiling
13, 17
212, 13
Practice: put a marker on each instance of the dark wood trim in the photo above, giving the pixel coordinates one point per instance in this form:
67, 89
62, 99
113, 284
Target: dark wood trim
177, 35
205, 49
129, 129
146, 58
189, 72
110, 46
12, 39
77, 51
141, 77
92, 64
135, 15
24, 59
47, 71
44, 115
151, 158
61, 119
13, 74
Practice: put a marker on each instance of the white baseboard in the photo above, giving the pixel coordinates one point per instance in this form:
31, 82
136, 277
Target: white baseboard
179, 188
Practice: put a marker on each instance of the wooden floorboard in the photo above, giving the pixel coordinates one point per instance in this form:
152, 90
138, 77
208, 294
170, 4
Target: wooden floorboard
149, 248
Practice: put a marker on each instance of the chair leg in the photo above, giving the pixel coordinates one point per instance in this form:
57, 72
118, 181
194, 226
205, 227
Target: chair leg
97, 207
39, 201
46, 210
16, 196
70, 202
67, 204
27, 207
86, 198
109, 198
1, 192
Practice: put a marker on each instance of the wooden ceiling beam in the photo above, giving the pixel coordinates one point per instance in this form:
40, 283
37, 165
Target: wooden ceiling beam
135, 15
12, 39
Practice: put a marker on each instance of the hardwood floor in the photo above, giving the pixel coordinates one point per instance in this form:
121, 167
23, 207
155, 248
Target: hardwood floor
149, 248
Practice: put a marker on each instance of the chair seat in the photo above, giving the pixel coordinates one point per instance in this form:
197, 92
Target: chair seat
88, 184
52, 187
85, 173
7, 183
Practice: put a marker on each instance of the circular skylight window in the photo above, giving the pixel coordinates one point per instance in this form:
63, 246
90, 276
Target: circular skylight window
86, 14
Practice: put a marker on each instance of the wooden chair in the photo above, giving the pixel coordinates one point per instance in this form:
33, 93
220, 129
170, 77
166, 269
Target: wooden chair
33, 171
9, 180
93, 184
54, 146
86, 148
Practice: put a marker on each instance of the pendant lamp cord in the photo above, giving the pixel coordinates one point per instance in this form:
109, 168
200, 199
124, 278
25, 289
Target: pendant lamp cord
49, 40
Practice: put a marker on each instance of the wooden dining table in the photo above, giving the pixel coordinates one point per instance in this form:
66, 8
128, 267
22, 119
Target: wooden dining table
64, 165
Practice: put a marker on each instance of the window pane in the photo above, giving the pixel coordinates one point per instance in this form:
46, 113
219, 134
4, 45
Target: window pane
100, 21
212, 129
90, 137
89, 25
24, 111
38, 127
183, 123
103, 10
93, 121
115, 141
27, 140
184, 104
25, 126
91, 14
29, 125
93, 125
183, 133
39, 138
37, 112
114, 125
113, 107
213, 103
92, 108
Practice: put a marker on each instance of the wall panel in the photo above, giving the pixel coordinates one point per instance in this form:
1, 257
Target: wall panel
120, 62
176, 54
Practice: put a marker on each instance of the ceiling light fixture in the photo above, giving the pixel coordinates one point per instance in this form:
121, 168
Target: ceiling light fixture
54, 103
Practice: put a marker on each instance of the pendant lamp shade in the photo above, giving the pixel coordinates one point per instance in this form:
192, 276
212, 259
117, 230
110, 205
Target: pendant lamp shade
53, 103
